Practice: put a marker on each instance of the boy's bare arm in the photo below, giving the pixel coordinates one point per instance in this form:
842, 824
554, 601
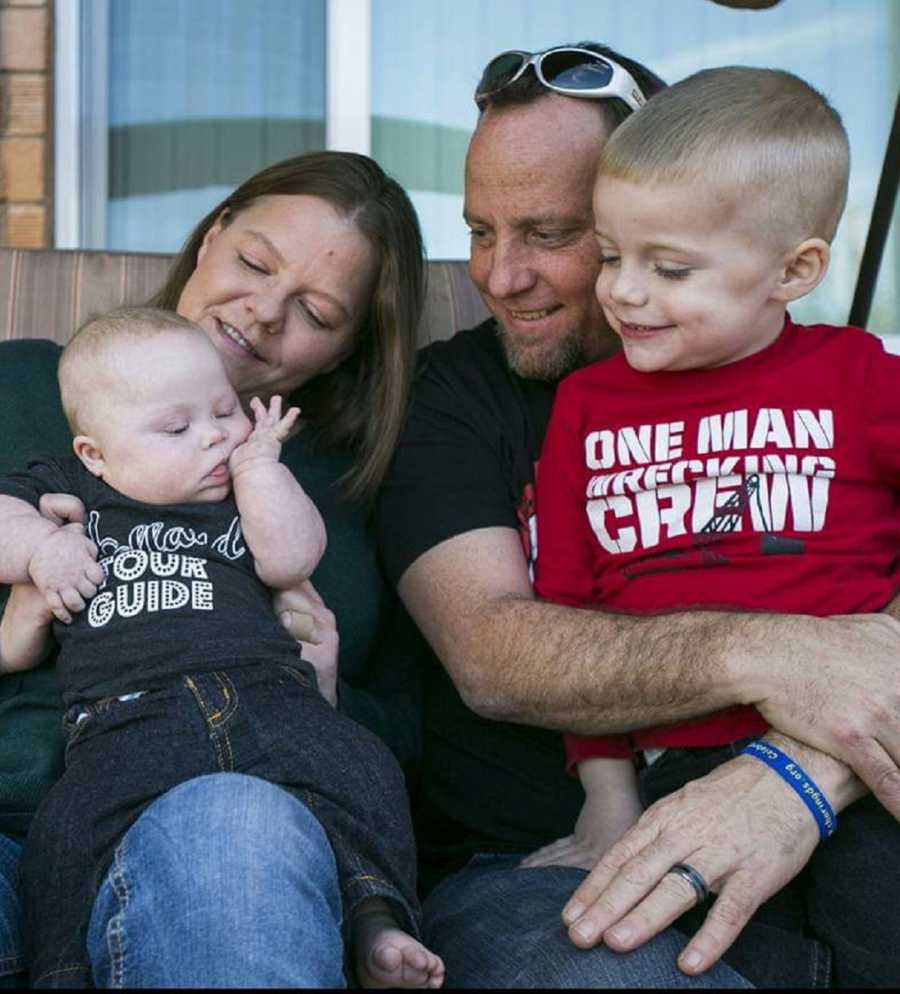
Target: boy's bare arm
281, 524
24, 629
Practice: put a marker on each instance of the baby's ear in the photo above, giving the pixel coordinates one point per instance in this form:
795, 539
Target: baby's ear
89, 452
804, 269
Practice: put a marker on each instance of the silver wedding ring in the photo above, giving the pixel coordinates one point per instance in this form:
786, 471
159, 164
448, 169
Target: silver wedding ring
694, 878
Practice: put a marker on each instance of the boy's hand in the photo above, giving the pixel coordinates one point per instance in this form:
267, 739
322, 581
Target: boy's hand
602, 822
264, 441
64, 568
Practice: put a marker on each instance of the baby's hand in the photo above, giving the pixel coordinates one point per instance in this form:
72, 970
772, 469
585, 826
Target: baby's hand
64, 568
269, 431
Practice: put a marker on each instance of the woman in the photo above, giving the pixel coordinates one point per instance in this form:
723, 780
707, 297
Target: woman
308, 280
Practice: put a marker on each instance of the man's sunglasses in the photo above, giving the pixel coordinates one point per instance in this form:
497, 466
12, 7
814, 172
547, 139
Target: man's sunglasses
576, 72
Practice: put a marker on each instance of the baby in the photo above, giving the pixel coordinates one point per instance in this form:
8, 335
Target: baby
727, 458
172, 663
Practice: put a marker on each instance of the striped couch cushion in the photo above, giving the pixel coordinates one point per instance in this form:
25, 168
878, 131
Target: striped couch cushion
48, 294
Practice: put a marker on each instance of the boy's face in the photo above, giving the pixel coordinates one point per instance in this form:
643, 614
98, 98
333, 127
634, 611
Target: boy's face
686, 279
168, 430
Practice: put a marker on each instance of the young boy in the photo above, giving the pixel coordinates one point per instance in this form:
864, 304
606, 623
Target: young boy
727, 458
172, 662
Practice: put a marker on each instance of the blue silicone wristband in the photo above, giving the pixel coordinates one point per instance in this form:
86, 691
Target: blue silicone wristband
796, 777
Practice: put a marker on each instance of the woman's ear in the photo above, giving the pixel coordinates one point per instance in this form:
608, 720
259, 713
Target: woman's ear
804, 269
212, 234
89, 452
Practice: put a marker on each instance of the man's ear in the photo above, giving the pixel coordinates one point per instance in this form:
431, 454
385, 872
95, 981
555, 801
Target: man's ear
804, 269
89, 452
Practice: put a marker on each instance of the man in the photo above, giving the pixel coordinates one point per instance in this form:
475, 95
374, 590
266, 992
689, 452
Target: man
513, 672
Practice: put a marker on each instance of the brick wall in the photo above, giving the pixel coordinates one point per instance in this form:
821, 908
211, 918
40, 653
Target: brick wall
25, 123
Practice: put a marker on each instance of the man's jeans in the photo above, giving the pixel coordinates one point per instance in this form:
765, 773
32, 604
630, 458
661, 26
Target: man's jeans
268, 721
12, 960
499, 926
226, 881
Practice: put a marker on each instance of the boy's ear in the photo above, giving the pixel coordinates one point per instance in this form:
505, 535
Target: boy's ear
804, 269
89, 452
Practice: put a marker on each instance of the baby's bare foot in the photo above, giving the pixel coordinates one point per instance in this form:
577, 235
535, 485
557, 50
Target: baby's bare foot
386, 956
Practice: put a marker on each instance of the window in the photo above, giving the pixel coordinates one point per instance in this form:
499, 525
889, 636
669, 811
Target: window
427, 58
178, 100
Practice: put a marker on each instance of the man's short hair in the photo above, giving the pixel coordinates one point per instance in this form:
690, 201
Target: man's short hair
746, 132
528, 88
84, 371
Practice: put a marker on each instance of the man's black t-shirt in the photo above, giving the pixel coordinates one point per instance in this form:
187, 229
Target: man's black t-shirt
181, 592
465, 461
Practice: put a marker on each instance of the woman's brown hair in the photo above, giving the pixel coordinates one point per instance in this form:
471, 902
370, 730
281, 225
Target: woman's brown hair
361, 404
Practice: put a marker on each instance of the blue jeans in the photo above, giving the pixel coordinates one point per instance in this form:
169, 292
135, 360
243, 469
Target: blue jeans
12, 959
225, 881
498, 926
267, 721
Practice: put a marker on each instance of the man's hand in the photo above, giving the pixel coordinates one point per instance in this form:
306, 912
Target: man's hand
64, 569
303, 613
264, 441
846, 700
742, 828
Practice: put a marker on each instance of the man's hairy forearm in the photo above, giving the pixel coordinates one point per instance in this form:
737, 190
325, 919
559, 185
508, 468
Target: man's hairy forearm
532, 662
593, 672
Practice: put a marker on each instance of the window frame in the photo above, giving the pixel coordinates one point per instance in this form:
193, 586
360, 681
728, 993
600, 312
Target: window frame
81, 107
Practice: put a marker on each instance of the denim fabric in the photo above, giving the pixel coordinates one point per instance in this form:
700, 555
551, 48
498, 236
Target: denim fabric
12, 960
836, 923
496, 925
225, 881
851, 895
265, 721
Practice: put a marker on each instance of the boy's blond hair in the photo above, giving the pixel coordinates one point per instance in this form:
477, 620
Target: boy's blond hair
748, 134
87, 374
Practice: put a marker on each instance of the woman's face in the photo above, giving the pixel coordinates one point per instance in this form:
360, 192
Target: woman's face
281, 291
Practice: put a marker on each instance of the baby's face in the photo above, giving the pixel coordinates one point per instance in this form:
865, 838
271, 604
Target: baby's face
166, 434
686, 279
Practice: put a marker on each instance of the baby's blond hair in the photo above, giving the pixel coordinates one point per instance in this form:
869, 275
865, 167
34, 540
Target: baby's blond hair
747, 134
86, 373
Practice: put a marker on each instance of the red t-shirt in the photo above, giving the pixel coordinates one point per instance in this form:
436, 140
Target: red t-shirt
770, 484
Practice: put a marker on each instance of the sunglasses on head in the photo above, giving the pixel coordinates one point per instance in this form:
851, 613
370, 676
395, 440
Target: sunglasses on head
576, 72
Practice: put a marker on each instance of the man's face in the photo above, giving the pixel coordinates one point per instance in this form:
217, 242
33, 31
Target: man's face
529, 179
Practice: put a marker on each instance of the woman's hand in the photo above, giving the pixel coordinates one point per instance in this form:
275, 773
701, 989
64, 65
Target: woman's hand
62, 509
741, 827
303, 613
24, 629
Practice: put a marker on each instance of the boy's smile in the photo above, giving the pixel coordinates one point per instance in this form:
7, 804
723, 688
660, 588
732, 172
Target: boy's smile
687, 280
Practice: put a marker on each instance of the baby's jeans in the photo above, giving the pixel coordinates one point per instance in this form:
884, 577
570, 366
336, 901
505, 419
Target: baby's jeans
263, 720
